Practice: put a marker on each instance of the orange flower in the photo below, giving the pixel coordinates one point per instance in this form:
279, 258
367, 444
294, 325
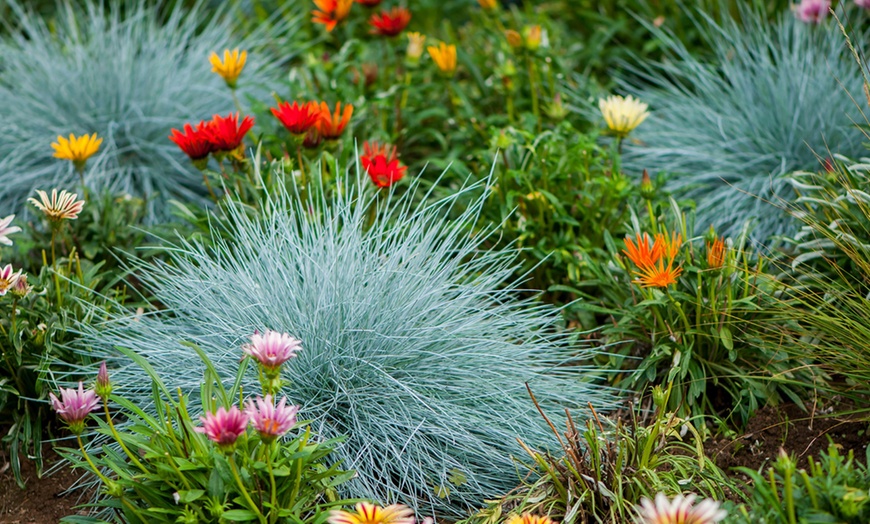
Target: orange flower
331, 12
445, 58
716, 253
669, 248
658, 275
331, 124
488, 5
652, 270
642, 254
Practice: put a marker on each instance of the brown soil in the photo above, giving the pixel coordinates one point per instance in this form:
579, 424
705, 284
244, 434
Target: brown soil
43, 501
788, 427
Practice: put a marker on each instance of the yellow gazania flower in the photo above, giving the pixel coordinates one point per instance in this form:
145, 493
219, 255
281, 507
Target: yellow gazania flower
533, 36
230, 67
367, 513
528, 518
445, 57
76, 149
65, 206
415, 47
488, 5
622, 114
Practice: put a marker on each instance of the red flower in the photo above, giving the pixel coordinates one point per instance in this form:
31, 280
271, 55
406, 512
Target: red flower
369, 3
194, 142
390, 23
226, 133
297, 119
381, 164
332, 125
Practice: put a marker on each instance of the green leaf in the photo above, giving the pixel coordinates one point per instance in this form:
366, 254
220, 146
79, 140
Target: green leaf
239, 515
189, 495
726, 338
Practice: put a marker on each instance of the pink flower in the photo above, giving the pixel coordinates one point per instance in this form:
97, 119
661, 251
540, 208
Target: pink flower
5, 230
223, 427
680, 510
269, 420
272, 349
863, 3
813, 11
8, 278
75, 406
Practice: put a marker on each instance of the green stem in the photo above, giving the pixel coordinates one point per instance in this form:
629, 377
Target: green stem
652, 217
273, 511
244, 491
533, 81
117, 437
93, 466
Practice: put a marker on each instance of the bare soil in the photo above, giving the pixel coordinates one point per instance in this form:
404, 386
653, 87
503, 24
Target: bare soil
44, 500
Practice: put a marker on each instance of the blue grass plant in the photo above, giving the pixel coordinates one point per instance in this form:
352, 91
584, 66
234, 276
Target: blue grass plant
729, 126
129, 73
417, 343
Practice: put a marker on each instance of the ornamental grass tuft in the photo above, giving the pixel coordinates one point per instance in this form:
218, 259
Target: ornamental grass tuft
416, 341
127, 73
730, 124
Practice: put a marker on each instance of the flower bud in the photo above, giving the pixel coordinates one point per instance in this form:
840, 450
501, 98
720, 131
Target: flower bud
533, 36
103, 386
514, 39
659, 397
647, 189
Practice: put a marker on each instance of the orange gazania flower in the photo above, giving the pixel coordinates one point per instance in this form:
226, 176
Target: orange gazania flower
332, 125
331, 12
390, 23
716, 253
367, 513
642, 254
655, 264
528, 518
445, 58
298, 119
381, 163
488, 4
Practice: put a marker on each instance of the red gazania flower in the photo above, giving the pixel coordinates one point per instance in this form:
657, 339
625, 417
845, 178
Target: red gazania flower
194, 142
331, 12
226, 132
332, 125
381, 164
390, 23
369, 3
297, 119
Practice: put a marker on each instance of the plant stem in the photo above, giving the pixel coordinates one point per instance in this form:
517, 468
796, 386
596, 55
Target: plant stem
117, 437
273, 512
244, 491
93, 466
533, 81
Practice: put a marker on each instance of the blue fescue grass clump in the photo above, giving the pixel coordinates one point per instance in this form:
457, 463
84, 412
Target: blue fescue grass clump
128, 73
765, 102
417, 342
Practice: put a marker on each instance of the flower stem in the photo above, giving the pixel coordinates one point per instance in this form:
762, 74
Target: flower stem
244, 491
117, 437
93, 466
273, 511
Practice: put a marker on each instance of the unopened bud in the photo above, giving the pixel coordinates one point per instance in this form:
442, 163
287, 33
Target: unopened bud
103, 387
647, 189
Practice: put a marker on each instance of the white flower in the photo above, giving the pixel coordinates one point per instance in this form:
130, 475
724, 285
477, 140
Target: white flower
6, 230
622, 114
680, 510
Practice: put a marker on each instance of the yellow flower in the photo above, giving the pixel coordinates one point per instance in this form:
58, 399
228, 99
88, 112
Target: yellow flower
533, 36
445, 57
230, 67
415, 47
528, 518
65, 206
488, 5
371, 514
76, 149
622, 114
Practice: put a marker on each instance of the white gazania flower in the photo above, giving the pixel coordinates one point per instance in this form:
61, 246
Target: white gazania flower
65, 206
5, 230
8, 278
680, 510
622, 114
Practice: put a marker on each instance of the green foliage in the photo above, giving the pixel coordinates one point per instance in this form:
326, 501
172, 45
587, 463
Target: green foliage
604, 469
160, 469
702, 333
836, 488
